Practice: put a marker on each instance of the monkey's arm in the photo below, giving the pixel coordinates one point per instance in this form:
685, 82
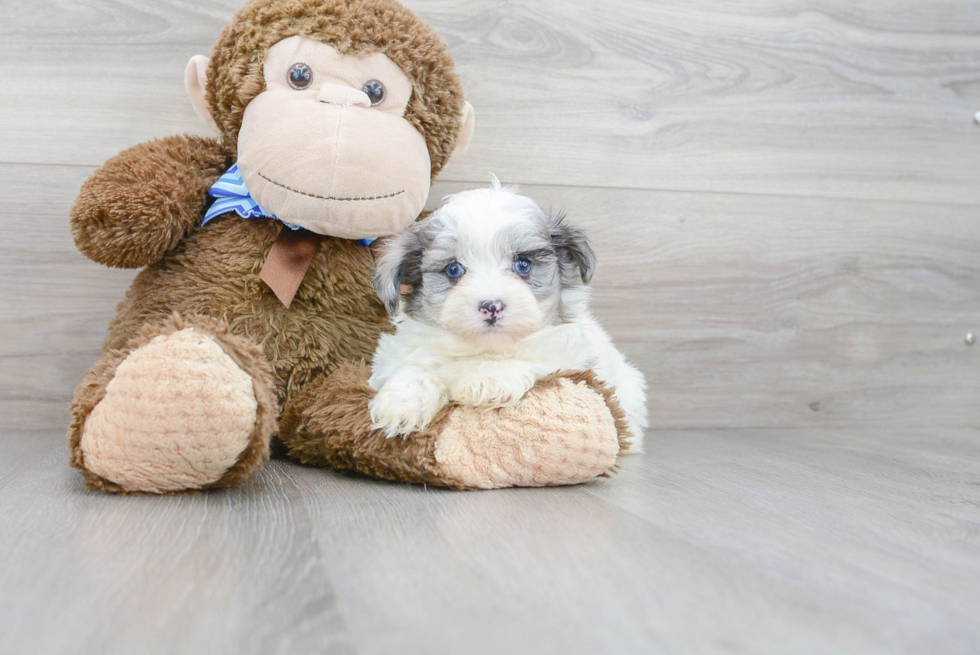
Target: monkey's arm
143, 201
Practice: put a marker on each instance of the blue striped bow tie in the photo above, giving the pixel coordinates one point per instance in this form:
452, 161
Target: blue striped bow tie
231, 195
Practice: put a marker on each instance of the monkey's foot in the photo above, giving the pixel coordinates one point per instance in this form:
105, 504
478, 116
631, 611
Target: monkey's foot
189, 407
559, 433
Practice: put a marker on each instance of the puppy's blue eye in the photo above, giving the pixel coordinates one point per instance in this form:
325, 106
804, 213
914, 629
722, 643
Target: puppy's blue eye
455, 271
522, 267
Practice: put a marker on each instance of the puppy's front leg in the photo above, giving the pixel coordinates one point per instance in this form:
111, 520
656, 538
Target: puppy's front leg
494, 383
407, 402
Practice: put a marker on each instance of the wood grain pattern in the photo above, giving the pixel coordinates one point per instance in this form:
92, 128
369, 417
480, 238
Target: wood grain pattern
741, 310
763, 541
829, 98
176, 574
783, 200
757, 311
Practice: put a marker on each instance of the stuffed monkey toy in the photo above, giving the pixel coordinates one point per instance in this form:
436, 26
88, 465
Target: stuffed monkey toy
253, 319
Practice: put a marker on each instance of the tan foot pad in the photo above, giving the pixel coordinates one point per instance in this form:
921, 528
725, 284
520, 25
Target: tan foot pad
552, 437
176, 415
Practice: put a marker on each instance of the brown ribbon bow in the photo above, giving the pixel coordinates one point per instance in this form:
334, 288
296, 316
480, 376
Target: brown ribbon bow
288, 260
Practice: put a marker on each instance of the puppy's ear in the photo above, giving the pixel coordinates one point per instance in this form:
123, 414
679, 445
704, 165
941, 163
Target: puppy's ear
572, 246
400, 263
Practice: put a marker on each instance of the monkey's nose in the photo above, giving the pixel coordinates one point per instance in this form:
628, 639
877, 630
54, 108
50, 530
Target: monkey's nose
491, 308
341, 94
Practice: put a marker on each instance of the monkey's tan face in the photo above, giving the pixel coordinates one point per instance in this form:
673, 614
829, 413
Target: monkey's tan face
326, 145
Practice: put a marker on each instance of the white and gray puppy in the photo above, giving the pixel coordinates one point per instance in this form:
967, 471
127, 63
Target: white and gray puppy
488, 296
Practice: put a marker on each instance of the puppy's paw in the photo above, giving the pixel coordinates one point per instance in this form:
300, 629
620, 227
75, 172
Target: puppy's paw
495, 389
401, 408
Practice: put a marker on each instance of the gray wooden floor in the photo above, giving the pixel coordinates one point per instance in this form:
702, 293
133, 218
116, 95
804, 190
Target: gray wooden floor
775, 541
783, 198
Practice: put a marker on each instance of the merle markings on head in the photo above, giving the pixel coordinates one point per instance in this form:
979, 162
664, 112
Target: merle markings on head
489, 264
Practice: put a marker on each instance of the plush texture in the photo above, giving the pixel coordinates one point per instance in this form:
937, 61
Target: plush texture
142, 202
374, 178
198, 317
356, 27
568, 429
183, 405
179, 384
530, 444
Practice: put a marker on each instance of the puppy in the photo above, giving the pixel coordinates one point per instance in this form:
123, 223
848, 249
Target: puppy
488, 295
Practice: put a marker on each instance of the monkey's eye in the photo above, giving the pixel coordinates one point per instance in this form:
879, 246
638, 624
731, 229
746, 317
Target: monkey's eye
522, 267
375, 90
300, 76
455, 271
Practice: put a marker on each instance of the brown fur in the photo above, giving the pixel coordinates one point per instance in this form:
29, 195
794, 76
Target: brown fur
242, 351
355, 27
143, 201
330, 425
334, 318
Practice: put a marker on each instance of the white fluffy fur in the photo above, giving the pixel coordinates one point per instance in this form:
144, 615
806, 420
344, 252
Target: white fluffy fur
422, 366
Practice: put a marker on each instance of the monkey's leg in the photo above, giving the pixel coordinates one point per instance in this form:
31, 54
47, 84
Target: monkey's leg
568, 429
185, 405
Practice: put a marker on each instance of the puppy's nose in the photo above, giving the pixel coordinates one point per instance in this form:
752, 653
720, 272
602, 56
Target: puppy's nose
491, 308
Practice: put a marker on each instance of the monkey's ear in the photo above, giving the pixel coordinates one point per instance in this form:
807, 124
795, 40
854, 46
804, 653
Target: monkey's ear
196, 83
465, 133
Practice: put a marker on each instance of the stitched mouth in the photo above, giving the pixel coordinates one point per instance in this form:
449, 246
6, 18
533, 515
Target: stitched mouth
313, 195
